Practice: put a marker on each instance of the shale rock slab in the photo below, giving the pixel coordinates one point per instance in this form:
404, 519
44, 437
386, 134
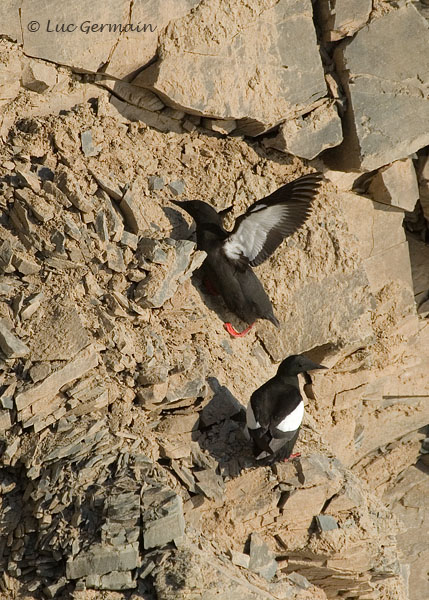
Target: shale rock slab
387, 97
197, 70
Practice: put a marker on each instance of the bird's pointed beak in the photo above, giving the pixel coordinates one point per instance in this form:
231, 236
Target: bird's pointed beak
312, 366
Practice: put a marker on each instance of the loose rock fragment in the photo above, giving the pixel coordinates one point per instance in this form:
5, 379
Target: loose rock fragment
262, 560
177, 187
67, 182
326, 522
38, 76
133, 213
163, 519
155, 183
107, 185
10, 344
181, 259
219, 125
103, 559
88, 147
309, 135
29, 179
396, 185
41, 209
85, 361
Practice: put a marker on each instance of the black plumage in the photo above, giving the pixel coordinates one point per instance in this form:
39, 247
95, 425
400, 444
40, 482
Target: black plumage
276, 409
255, 236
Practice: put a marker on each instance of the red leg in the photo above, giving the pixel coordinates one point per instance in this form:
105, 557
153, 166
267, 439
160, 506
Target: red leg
292, 456
230, 329
210, 287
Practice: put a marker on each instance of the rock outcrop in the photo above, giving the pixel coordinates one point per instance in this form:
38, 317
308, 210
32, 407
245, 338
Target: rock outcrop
125, 463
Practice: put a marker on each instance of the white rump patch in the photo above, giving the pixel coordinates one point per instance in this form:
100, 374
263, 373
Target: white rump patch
293, 420
233, 249
251, 422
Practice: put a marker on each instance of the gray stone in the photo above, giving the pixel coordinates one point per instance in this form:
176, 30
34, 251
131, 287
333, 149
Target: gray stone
115, 581
342, 302
396, 185
6, 399
163, 519
155, 182
130, 240
103, 559
387, 97
25, 266
342, 18
309, 135
101, 226
210, 484
266, 89
185, 475
299, 580
262, 560
88, 147
176, 187
162, 282
86, 360
10, 344
60, 335
326, 522
5, 421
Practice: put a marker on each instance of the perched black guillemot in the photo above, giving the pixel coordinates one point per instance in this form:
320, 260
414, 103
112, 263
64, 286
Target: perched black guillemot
276, 409
255, 236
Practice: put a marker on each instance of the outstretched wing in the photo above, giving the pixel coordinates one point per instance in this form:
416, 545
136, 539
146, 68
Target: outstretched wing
265, 224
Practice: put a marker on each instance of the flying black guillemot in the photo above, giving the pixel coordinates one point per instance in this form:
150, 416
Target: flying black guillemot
276, 409
255, 236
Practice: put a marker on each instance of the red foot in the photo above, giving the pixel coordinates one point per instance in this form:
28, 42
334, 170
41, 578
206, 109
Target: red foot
211, 289
230, 329
292, 456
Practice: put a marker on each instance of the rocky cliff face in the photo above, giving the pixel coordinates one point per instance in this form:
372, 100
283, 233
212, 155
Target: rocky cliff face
126, 472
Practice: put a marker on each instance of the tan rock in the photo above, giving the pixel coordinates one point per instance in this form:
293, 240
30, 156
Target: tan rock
135, 49
396, 185
10, 344
343, 18
309, 135
38, 76
386, 98
86, 360
10, 65
197, 72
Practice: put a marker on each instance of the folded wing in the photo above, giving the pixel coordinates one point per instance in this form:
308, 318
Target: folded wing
265, 224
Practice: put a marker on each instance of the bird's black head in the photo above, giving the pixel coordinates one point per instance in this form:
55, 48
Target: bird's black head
201, 212
297, 363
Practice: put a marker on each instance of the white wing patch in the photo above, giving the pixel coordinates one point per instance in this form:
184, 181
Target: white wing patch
253, 230
293, 420
251, 422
